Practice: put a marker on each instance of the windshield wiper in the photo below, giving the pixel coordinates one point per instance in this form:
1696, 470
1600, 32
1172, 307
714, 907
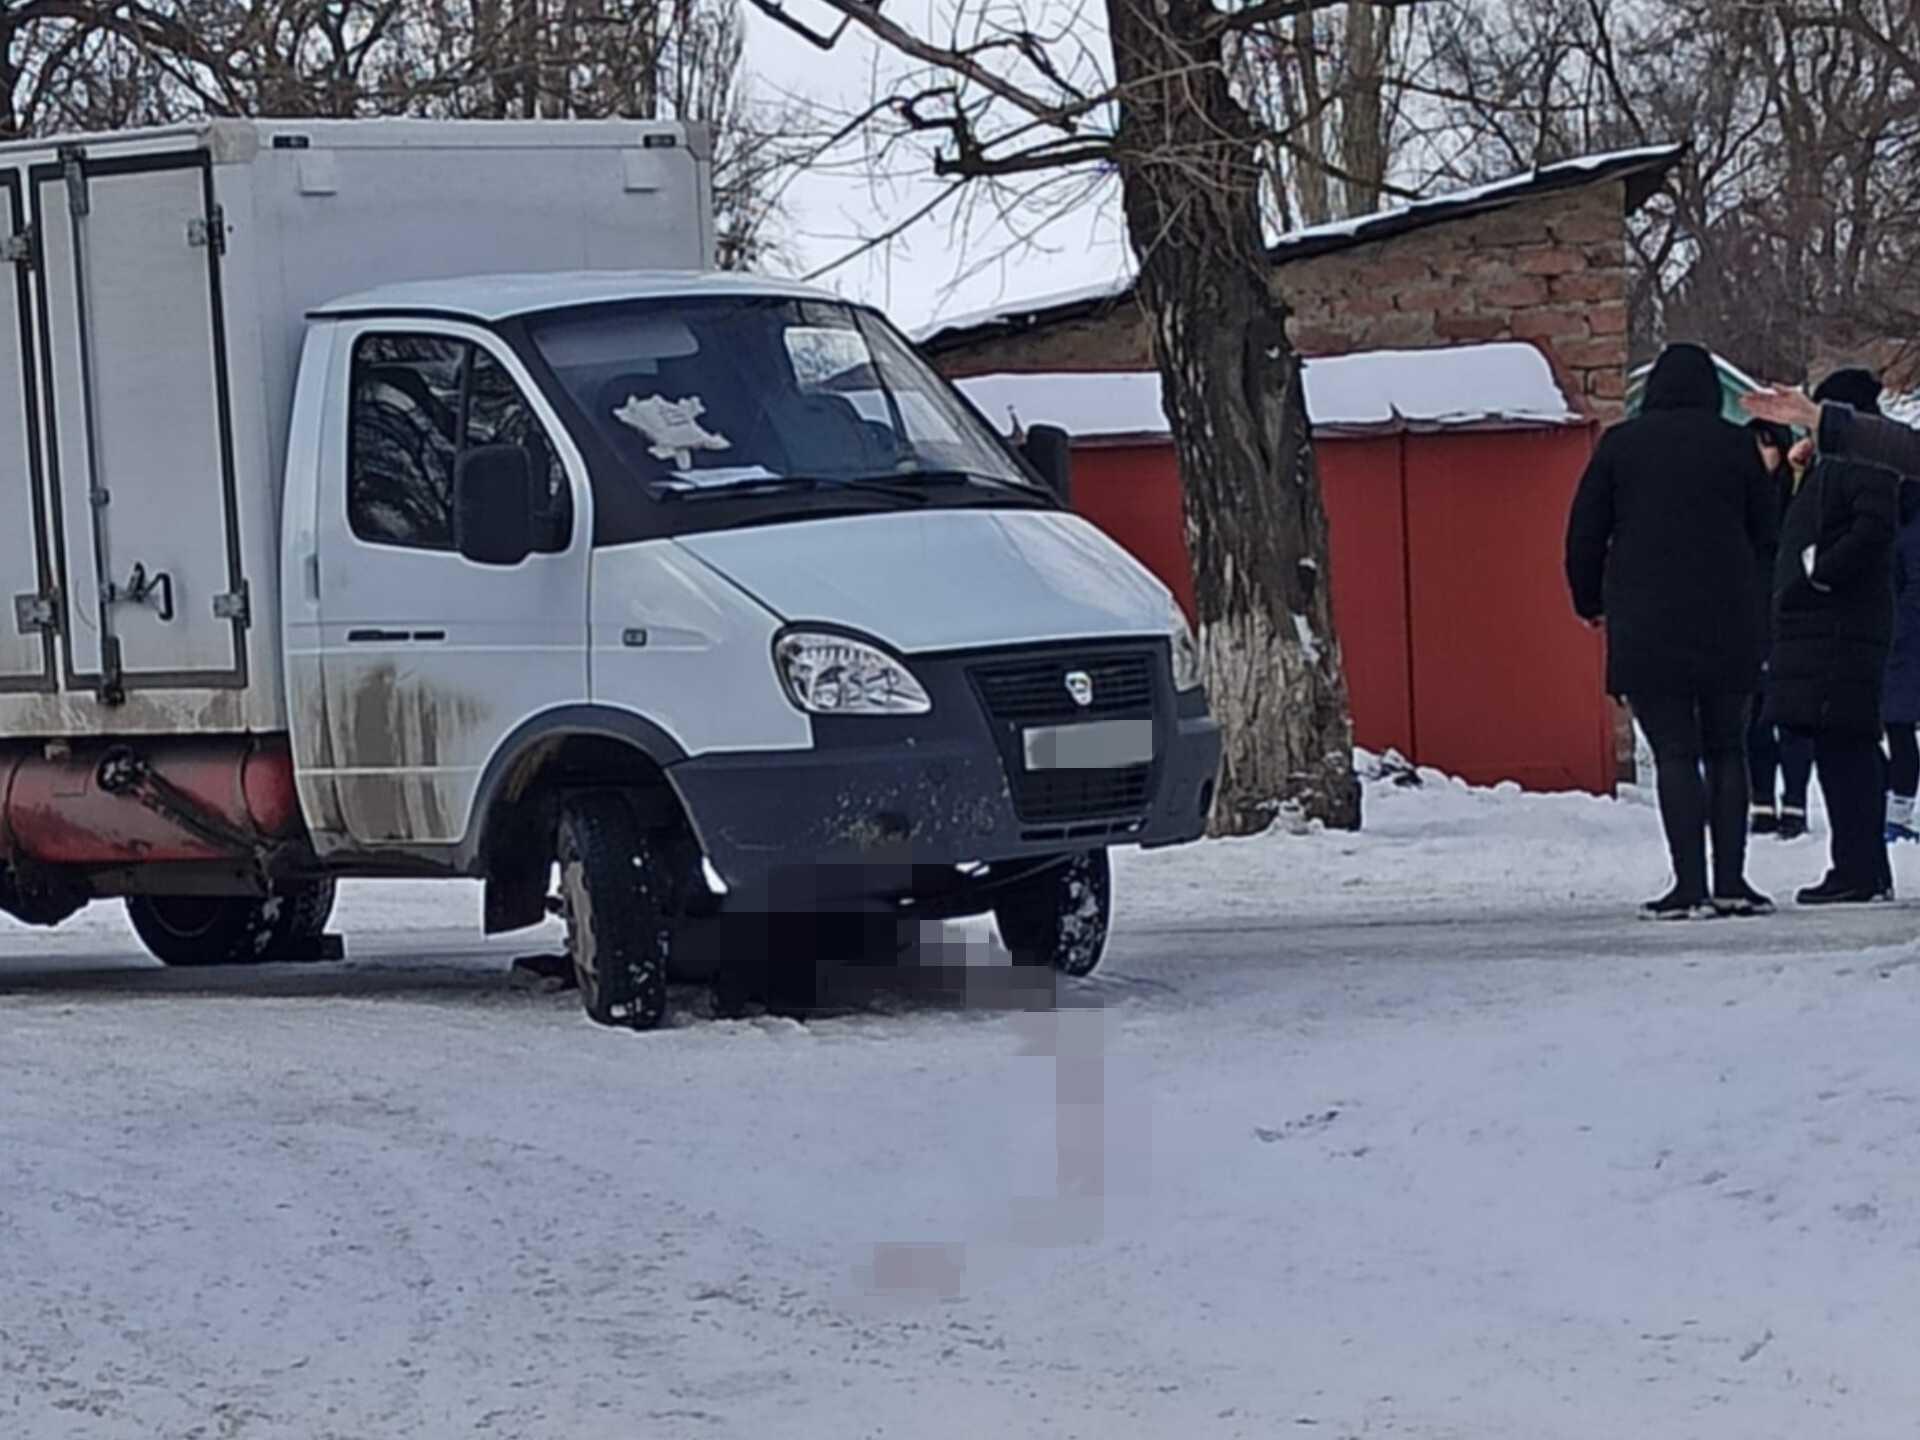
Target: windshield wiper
916, 486
783, 485
964, 477
695, 490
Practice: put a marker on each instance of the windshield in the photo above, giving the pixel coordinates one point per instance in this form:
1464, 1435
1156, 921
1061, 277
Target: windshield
724, 396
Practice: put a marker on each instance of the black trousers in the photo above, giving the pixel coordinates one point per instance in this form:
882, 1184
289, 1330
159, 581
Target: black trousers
1903, 760
1779, 765
1853, 777
1699, 755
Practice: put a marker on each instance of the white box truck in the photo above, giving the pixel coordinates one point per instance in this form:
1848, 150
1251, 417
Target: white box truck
408, 499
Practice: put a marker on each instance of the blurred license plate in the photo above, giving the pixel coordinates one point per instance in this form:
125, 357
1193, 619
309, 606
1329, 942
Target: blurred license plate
1097, 745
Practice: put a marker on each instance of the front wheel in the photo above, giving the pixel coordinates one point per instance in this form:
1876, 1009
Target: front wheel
232, 929
614, 885
1061, 916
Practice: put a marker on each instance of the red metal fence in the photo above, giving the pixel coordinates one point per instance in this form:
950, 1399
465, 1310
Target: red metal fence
1461, 649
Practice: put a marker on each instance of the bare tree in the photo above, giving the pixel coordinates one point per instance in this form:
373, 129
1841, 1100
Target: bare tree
1792, 229
1330, 82
1016, 98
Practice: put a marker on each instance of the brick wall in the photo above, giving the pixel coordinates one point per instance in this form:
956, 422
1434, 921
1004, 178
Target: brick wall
1116, 340
1552, 271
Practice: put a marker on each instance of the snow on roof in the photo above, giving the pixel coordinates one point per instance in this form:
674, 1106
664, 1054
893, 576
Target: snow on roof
1507, 383
1338, 234
495, 297
1106, 290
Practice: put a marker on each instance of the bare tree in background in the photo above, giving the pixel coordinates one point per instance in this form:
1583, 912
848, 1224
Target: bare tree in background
94, 64
1017, 100
1331, 82
1792, 232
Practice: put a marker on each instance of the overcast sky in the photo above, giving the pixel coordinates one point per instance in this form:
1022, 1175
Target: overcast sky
934, 272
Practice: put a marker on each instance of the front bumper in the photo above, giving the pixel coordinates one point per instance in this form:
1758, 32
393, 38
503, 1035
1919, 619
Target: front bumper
885, 808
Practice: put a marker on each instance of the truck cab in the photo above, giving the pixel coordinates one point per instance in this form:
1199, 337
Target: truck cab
730, 549
698, 599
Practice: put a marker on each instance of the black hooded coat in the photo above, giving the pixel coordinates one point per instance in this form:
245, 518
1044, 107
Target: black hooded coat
1832, 631
1666, 539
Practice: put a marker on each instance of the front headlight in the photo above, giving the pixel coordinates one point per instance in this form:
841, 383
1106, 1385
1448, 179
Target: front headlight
1186, 651
833, 675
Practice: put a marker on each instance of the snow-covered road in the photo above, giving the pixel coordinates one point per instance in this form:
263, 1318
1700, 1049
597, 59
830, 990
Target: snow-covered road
1410, 1133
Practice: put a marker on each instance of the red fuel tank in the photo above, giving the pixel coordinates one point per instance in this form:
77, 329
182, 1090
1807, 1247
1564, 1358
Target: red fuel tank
135, 801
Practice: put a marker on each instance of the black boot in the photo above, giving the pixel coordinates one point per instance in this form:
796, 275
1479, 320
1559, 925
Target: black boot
1793, 824
1741, 899
1677, 904
1837, 891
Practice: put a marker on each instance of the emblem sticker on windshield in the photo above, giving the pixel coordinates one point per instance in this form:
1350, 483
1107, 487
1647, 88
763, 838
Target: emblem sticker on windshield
672, 427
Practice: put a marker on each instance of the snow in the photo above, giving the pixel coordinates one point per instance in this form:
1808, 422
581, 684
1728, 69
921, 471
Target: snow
1504, 383
1308, 237
1077, 295
1406, 1132
1473, 195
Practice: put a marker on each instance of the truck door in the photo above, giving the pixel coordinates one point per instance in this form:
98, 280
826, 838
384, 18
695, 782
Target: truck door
27, 603
428, 661
139, 448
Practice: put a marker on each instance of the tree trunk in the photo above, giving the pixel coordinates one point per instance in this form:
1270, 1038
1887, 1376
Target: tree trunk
1364, 137
1312, 190
1189, 167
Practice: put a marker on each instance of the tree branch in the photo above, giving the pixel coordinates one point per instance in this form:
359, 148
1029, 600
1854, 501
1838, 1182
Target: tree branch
959, 62
1265, 12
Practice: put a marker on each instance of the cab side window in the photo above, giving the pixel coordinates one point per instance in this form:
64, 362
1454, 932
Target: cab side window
404, 426
419, 402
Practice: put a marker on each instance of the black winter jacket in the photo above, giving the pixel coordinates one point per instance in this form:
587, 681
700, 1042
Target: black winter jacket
1666, 537
1780, 495
1901, 705
1832, 632
1870, 439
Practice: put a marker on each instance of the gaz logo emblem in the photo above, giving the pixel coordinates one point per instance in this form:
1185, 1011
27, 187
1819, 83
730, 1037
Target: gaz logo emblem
1080, 687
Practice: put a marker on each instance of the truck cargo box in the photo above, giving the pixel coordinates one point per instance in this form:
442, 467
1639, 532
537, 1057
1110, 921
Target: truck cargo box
148, 347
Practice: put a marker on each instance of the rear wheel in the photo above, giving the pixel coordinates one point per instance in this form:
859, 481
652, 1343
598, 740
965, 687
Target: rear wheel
1061, 916
39, 899
615, 883
231, 929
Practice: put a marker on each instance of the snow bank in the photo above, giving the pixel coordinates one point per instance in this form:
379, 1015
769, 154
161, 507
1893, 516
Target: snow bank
1442, 849
1376, 390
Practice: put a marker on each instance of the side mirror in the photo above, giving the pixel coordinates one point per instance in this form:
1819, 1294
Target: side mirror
493, 505
1049, 449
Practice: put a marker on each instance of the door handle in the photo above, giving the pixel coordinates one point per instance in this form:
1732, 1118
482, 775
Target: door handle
142, 589
395, 637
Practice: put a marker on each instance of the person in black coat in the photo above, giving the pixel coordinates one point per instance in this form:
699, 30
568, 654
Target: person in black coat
1663, 547
1833, 630
1901, 706
1779, 763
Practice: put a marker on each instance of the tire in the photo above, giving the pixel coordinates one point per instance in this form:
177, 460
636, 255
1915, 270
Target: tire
1060, 917
232, 930
36, 901
614, 884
